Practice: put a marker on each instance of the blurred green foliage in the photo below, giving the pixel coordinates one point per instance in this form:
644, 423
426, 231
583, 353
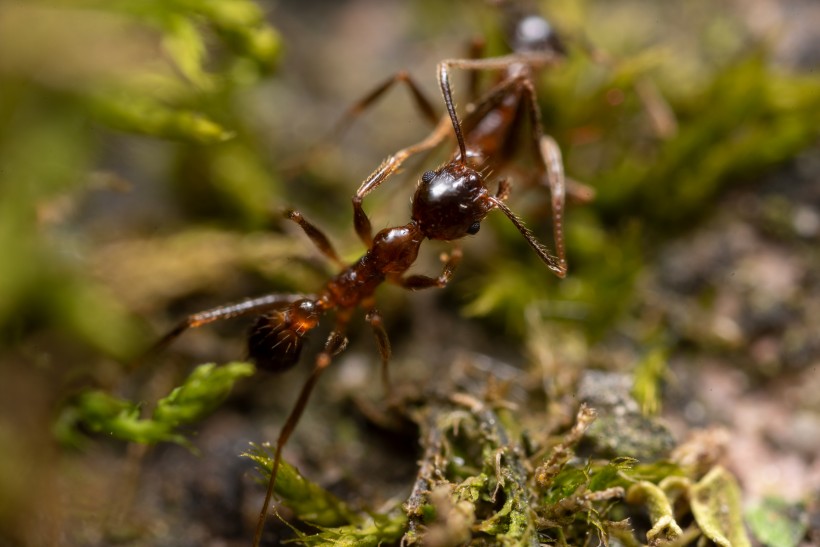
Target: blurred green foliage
80, 68
776, 523
201, 392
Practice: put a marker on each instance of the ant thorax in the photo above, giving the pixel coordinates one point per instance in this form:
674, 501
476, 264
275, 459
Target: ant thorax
451, 202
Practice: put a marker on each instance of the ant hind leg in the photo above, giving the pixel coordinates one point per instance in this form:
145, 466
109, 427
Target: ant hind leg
336, 342
252, 306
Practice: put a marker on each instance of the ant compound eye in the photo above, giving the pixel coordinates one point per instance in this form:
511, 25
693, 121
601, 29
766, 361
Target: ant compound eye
474, 228
427, 176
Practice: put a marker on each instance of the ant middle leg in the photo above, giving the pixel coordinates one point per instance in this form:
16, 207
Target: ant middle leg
418, 282
336, 343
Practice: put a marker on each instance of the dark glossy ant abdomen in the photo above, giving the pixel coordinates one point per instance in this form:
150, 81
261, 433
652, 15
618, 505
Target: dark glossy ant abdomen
276, 339
451, 202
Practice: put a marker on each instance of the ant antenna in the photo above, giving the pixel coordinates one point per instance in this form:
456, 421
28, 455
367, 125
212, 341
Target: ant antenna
557, 265
444, 82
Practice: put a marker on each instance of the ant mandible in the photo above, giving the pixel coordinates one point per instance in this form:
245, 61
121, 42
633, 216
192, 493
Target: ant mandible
449, 203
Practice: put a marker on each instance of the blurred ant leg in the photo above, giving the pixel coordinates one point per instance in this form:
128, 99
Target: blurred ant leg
418, 282
504, 188
375, 319
252, 306
335, 343
385, 170
420, 100
579, 193
316, 236
661, 117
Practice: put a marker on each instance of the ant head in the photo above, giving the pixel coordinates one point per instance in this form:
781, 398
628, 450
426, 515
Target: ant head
451, 202
533, 33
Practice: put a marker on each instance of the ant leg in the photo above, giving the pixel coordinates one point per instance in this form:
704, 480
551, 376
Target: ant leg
392, 163
248, 307
504, 188
661, 116
360, 221
316, 236
417, 282
420, 100
375, 319
335, 343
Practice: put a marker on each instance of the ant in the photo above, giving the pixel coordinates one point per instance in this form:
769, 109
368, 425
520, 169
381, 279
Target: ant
449, 203
487, 137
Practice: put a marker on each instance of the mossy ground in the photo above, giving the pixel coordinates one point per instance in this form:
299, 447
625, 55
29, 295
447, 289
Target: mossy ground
136, 191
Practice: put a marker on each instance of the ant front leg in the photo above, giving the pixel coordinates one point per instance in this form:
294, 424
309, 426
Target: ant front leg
335, 344
418, 282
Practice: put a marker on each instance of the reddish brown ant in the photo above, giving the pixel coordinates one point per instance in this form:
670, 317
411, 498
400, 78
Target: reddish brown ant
449, 204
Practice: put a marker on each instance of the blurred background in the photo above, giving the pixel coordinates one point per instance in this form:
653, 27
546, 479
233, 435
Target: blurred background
145, 148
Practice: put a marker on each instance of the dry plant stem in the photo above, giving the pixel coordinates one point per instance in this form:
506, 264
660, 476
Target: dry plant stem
664, 526
562, 452
430, 471
436, 420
